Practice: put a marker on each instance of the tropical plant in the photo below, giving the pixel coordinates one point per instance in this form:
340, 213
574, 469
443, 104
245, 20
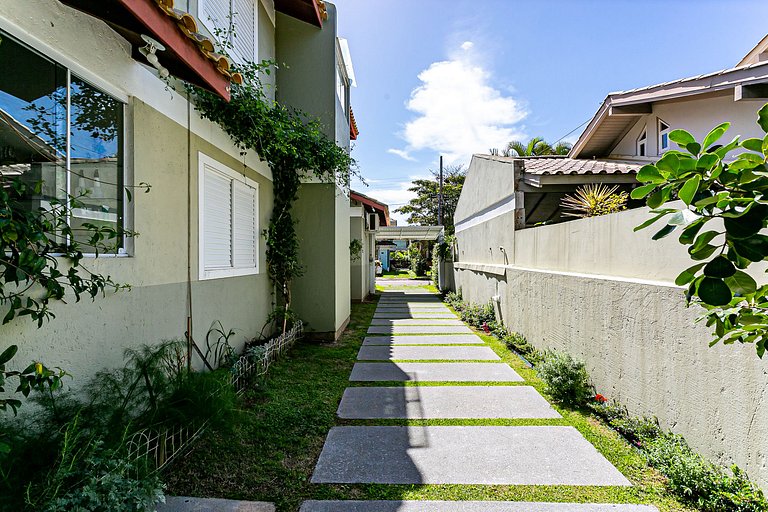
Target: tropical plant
593, 200
716, 185
423, 209
537, 146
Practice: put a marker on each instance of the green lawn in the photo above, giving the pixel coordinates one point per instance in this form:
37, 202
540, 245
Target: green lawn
269, 451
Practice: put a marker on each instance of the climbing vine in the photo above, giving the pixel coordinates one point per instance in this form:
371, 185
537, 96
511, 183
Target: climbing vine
293, 145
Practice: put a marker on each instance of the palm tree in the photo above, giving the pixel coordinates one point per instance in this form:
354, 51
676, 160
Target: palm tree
537, 146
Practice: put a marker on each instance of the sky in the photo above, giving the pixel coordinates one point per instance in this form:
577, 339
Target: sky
457, 77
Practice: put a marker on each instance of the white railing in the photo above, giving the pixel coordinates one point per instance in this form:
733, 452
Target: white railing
159, 445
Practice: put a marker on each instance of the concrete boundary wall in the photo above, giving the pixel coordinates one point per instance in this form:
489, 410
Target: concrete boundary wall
604, 294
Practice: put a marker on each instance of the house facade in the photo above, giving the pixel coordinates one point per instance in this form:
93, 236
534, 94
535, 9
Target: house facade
85, 108
606, 294
366, 216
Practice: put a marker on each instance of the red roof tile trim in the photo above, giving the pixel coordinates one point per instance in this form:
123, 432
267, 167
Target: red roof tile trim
353, 131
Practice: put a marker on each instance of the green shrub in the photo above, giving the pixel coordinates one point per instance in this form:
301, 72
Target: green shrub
708, 486
517, 342
419, 266
567, 380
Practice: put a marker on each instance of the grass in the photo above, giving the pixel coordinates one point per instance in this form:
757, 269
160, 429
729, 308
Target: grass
269, 452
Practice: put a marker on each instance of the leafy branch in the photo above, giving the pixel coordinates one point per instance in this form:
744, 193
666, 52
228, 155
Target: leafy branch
732, 191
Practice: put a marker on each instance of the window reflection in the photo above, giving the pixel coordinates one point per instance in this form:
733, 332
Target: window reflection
35, 146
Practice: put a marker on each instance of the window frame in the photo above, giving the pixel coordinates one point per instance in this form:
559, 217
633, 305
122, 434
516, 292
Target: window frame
661, 132
204, 274
642, 139
74, 69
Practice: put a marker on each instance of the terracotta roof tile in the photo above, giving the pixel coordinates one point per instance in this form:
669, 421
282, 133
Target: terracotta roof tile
550, 166
188, 25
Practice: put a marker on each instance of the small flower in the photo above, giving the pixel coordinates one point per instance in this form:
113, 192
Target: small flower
600, 398
39, 368
486, 328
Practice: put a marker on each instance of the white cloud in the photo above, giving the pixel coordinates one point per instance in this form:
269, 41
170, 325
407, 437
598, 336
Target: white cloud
402, 154
393, 194
459, 112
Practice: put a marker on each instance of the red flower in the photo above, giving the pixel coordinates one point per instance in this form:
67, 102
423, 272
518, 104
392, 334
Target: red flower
600, 398
486, 328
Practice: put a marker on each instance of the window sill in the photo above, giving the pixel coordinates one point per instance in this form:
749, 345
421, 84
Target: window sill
228, 272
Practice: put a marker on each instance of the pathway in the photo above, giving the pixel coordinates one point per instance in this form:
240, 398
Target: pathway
451, 374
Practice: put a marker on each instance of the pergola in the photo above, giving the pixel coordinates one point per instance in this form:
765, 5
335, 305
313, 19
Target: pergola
429, 233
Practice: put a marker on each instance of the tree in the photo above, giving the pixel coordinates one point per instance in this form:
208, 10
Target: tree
422, 210
537, 146
732, 190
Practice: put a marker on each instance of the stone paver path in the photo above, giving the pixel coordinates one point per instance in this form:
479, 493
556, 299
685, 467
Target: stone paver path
410, 325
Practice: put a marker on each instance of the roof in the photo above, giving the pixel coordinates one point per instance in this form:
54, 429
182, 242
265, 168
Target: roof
188, 54
313, 12
353, 130
620, 110
379, 207
409, 233
571, 166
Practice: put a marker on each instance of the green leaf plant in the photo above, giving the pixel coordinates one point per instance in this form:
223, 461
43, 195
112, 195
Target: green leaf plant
293, 145
724, 187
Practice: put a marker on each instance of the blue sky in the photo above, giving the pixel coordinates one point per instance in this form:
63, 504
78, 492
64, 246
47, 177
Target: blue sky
461, 76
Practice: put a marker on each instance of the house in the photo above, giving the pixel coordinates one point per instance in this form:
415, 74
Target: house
605, 293
366, 216
88, 101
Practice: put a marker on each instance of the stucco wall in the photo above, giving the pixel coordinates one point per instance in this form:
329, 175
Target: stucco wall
86, 336
358, 283
598, 290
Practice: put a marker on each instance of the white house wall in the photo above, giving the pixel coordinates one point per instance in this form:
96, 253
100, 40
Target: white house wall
697, 116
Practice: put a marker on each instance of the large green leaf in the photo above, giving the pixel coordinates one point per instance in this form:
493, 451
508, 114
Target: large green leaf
719, 267
762, 117
659, 214
703, 239
753, 144
656, 199
8, 354
715, 135
714, 291
669, 163
707, 161
741, 283
690, 232
642, 191
681, 137
688, 275
688, 191
754, 248
745, 225
702, 253
650, 174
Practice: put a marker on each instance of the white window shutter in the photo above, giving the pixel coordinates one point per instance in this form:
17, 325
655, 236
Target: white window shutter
215, 14
244, 21
217, 220
245, 230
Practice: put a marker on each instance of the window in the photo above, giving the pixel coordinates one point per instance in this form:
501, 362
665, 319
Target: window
234, 24
641, 141
663, 136
58, 129
229, 221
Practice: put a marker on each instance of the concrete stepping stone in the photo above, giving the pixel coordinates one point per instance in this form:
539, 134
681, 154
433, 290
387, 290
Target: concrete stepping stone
412, 308
410, 300
419, 329
466, 506
407, 352
184, 504
417, 321
463, 455
448, 339
434, 372
443, 402
412, 314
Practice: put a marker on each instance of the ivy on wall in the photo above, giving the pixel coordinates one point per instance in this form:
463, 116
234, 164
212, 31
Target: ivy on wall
293, 145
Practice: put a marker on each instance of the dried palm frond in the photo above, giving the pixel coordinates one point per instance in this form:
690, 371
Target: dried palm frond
594, 200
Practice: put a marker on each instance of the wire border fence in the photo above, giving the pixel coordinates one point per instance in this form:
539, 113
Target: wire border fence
160, 445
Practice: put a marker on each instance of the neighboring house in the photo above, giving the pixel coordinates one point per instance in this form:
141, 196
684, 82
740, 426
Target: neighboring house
606, 294
386, 248
366, 216
200, 256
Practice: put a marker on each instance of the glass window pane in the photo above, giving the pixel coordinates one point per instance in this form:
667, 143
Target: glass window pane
96, 156
33, 120
664, 141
